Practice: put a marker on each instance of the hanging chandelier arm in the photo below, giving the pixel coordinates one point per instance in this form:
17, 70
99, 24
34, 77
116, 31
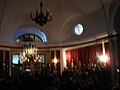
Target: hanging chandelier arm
31, 17
34, 18
48, 15
37, 14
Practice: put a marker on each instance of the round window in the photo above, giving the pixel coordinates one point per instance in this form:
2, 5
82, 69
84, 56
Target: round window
78, 29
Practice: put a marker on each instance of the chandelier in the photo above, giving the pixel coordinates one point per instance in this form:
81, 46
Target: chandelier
41, 18
30, 54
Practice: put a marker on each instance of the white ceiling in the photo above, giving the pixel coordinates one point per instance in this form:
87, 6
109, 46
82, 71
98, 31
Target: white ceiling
15, 15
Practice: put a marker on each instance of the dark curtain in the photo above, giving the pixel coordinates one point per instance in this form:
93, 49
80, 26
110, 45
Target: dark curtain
1, 62
52, 58
7, 61
107, 53
58, 63
81, 55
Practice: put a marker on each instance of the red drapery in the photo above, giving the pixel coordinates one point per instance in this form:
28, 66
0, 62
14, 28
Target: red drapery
93, 50
68, 58
85, 55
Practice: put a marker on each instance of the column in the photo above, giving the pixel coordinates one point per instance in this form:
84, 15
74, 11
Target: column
115, 63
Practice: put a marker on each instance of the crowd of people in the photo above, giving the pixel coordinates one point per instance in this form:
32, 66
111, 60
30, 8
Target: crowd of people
87, 77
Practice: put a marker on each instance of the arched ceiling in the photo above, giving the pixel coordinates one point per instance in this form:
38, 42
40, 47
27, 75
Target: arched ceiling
15, 16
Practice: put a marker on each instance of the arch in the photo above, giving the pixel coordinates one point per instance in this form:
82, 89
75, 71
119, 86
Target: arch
30, 30
113, 15
116, 22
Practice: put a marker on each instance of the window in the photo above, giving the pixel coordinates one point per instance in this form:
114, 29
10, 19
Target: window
42, 57
15, 59
78, 29
28, 38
